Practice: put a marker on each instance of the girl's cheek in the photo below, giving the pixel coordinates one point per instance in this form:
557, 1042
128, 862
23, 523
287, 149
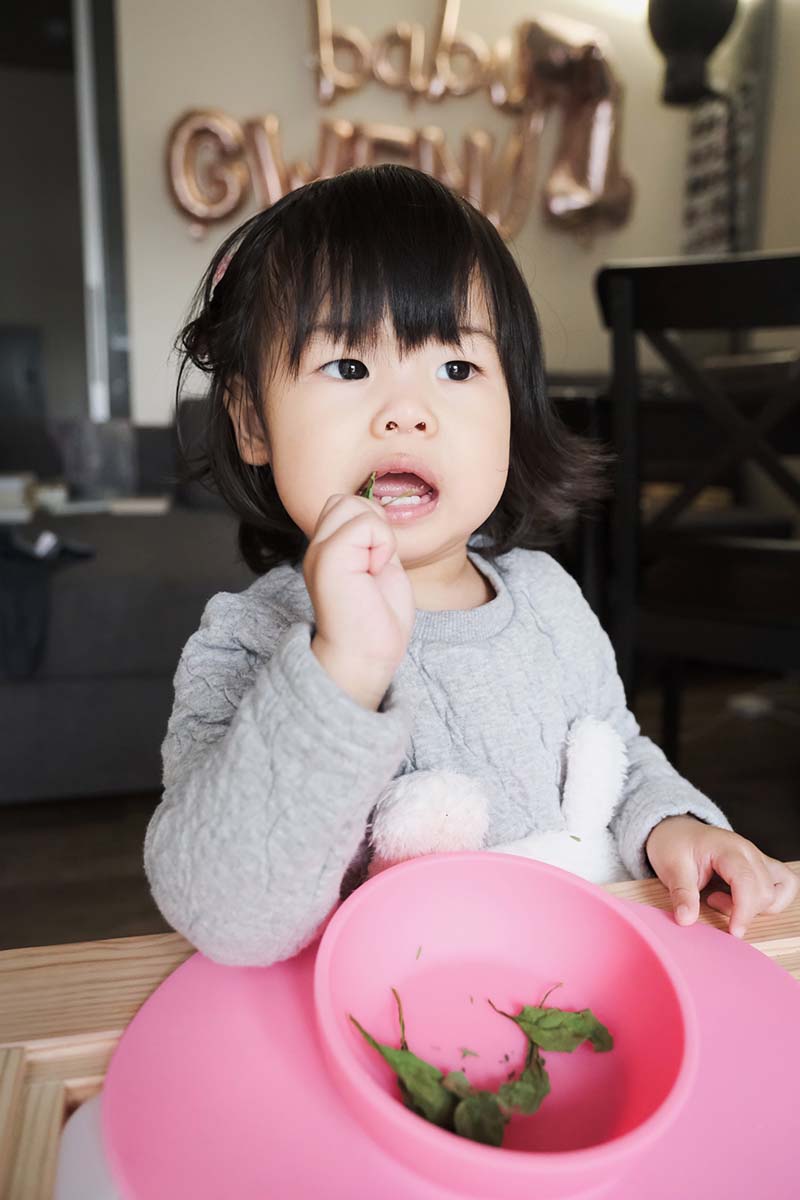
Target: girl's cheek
304, 502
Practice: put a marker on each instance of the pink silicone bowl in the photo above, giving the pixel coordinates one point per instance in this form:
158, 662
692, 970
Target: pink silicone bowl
450, 932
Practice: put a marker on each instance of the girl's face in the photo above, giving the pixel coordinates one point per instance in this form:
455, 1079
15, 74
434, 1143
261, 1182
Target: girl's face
447, 407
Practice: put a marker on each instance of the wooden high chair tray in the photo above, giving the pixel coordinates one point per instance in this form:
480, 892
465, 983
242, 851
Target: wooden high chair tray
64, 1008
219, 1088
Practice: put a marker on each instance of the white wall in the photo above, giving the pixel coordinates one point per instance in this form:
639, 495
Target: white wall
250, 57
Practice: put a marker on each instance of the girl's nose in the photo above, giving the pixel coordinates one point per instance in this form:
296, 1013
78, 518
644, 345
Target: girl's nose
404, 409
422, 425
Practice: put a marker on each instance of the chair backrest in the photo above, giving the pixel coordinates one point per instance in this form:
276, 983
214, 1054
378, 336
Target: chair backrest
654, 299
746, 291
741, 291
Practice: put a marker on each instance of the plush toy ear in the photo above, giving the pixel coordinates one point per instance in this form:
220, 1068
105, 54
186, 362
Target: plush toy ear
597, 763
428, 812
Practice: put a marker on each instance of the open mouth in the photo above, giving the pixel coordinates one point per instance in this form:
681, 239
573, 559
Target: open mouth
404, 494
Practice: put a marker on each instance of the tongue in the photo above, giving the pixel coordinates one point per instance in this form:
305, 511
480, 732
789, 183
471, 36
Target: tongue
396, 485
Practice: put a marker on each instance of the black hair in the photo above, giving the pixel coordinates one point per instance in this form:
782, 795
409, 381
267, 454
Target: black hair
371, 241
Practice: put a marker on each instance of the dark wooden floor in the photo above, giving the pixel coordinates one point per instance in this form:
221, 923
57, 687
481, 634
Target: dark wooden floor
72, 871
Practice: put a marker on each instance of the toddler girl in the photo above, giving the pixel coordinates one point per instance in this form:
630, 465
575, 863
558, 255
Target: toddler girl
379, 421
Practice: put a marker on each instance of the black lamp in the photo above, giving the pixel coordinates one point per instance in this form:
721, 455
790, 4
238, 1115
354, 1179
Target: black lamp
686, 32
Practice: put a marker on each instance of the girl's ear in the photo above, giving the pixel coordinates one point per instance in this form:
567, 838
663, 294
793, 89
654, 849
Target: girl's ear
250, 438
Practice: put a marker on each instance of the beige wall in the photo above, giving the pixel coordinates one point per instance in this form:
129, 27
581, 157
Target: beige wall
244, 56
781, 212
250, 57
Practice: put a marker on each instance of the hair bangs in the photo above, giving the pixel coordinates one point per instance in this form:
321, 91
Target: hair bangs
352, 270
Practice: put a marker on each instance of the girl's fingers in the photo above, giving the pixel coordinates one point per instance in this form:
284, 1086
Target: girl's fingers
362, 535
785, 885
678, 871
784, 889
362, 525
380, 555
684, 892
721, 902
341, 508
752, 891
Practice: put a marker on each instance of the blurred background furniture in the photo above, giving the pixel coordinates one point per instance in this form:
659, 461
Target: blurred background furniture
22, 391
727, 591
85, 712
581, 403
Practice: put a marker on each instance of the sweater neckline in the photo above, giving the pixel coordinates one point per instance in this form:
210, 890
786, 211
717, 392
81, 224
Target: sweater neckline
451, 625
456, 625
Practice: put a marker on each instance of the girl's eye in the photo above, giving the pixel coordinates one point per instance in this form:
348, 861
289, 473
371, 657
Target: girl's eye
457, 370
345, 368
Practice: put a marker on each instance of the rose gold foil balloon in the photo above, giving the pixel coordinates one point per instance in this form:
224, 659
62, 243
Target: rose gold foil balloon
334, 154
272, 178
568, 68
548, 65
510, 71
586, 189
478, 148
214, 189
264, 150
514, 175
449, 44
409, 38
372, 139
331, 78
435, 80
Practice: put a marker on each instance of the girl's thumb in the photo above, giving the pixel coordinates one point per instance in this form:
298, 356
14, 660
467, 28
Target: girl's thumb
683, 892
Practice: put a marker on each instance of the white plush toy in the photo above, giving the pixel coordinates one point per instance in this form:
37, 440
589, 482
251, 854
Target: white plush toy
429, 812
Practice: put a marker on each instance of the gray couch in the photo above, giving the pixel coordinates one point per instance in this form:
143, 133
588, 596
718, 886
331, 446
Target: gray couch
91, 718
84, 713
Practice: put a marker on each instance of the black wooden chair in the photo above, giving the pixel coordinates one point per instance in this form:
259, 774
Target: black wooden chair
582, 551
719, 596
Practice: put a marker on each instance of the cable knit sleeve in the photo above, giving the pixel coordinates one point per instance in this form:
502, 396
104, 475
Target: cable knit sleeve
270, 771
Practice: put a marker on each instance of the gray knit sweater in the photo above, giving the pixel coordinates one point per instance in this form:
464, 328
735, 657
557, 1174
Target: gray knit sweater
271, 770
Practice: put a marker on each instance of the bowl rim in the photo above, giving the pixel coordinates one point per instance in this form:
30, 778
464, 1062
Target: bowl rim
550, 1162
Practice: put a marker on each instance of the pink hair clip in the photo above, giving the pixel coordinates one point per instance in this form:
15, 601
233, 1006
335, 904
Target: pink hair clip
218, 274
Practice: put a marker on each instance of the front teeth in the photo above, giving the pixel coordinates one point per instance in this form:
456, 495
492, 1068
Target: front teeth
386, 500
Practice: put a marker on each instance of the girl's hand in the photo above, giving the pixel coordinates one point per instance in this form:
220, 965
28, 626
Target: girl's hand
685, 853
362, 596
